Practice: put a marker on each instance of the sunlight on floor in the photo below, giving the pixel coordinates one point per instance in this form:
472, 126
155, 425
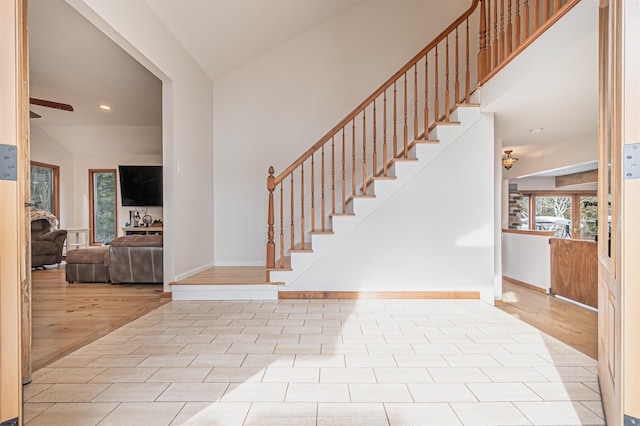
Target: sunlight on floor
509, 297
317, 362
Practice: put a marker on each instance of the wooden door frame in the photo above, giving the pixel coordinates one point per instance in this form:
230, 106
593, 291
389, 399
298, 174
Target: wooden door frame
14, 247
619, 273
630, 268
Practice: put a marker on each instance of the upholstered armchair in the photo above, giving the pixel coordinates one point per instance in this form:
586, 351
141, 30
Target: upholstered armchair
46, 245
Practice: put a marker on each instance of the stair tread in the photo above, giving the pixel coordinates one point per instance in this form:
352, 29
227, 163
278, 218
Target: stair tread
299, 249
465, 104
286, 267
321, 232
365, 196
396, 160
447, 123
342, 214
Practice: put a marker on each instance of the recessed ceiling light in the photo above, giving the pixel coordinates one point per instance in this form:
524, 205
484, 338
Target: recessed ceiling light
105, 107
536, 130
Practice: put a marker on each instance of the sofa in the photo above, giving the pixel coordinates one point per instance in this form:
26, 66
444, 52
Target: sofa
136, 259
130, 259
89, 265
46, 245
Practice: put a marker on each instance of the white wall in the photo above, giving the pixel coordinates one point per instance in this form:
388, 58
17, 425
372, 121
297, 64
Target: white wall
81, 178
271, 110
187, 128
46, 149
527, 258
427, 236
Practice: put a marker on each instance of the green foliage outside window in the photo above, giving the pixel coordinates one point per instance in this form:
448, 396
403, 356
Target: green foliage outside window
104, 191
588, 217
42, 188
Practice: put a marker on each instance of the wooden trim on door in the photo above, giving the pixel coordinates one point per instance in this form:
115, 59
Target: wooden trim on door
13, 214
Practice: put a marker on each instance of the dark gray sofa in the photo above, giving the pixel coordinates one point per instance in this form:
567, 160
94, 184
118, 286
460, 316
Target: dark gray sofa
136, 259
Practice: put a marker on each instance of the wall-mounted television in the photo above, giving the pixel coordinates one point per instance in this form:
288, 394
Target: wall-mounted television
141, 186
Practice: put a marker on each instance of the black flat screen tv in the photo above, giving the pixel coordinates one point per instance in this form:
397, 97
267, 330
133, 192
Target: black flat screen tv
141, 186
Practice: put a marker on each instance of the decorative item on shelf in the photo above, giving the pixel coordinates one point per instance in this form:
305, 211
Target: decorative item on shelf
507, 160
134, 218
147, 220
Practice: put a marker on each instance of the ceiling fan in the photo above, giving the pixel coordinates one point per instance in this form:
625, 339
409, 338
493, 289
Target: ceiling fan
48, 104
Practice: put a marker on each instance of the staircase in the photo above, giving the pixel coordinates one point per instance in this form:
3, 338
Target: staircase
404, 139
379, 191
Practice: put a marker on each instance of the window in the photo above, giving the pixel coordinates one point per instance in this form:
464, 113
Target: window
588, 218
567, 214
553, 213
45, 187
102, 206
523, 204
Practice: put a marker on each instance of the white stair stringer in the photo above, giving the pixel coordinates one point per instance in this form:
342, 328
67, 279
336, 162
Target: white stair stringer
383, 189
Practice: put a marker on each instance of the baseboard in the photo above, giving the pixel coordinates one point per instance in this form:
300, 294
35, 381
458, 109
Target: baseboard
187, 274
379, 295
525, 285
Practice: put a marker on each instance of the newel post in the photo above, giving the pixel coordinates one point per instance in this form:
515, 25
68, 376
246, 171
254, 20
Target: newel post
482, 54
271, 247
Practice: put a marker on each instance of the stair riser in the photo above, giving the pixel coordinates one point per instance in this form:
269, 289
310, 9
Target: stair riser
225, 292
464, 114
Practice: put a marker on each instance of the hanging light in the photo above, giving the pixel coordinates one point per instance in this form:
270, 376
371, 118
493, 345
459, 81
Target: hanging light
507, 160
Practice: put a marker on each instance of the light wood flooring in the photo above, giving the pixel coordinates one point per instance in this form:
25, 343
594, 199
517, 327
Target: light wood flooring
69, 316
228, 275
567, 322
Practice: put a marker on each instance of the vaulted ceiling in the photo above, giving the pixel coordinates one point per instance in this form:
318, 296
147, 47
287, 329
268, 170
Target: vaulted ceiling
73, 62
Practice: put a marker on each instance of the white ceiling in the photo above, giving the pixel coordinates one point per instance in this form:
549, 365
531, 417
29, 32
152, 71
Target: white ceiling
559, 95
73, 62
222, 35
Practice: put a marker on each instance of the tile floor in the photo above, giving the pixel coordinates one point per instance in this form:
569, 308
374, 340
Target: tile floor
319, 362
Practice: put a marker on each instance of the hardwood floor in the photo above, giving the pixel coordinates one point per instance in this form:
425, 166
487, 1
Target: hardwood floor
68, 316
228, 275
569, 323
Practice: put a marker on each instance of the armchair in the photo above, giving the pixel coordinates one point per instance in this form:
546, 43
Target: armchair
46, 245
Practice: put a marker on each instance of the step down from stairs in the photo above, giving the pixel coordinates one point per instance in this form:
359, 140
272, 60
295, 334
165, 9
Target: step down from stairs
226, 283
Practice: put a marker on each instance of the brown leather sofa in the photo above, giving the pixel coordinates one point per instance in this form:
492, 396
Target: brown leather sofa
136, 259
46, 245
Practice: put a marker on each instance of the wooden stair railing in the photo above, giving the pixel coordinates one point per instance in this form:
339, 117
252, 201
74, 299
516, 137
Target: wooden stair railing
383, 128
